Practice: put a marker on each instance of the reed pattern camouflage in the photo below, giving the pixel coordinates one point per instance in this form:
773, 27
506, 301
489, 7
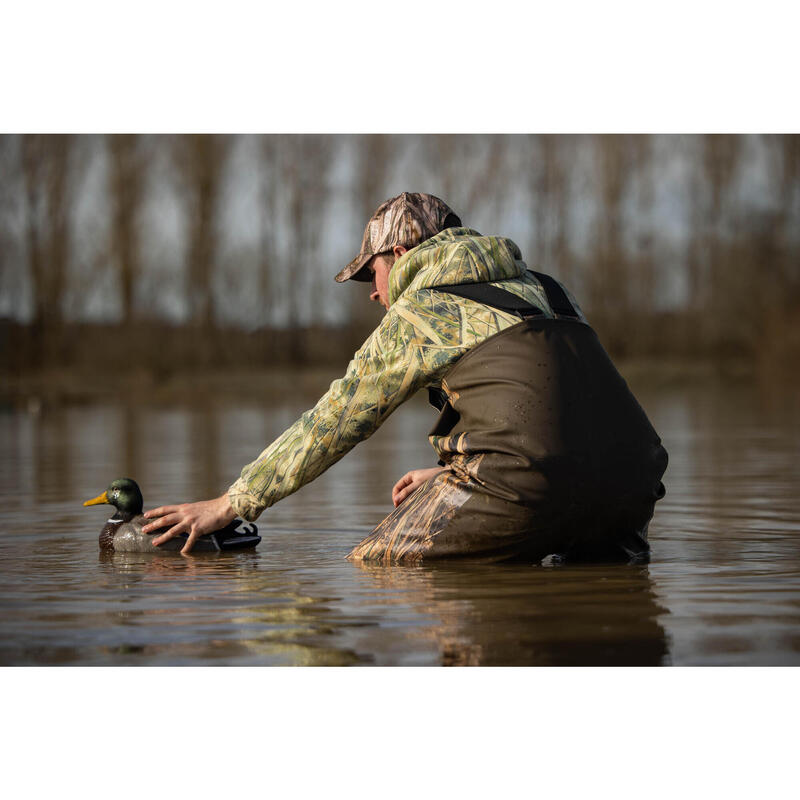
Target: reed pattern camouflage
408, 532
420, 338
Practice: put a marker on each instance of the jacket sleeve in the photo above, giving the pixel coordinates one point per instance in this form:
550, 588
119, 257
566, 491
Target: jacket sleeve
391, 366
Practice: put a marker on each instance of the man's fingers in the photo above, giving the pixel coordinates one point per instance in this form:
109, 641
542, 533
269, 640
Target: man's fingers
398, 492
160, 512
162, 522
193, 536
411, 481
172, 532
397, 488
404, 487
402, 482
406, 492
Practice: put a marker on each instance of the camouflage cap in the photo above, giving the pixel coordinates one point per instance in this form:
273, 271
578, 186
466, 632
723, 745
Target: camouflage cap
407, 220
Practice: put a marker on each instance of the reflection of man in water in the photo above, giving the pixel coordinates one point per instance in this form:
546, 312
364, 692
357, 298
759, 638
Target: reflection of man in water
542, 448
490, 615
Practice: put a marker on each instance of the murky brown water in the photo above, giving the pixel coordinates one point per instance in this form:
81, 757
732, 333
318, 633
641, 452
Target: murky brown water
723, 586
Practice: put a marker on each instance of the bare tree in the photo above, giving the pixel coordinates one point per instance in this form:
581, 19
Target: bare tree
486, 186
641, 276
547, 179
609, 280
470, 170
373, 164
127, 160
10, 169
305, 166
200, 160
45, 169
270, 188
720, 160
788, 221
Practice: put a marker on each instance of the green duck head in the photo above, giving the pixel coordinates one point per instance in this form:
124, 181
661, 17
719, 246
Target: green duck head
124, 494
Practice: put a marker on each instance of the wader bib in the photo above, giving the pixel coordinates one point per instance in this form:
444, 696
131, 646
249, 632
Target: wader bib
548, 450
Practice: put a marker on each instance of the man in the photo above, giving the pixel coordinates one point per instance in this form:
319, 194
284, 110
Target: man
542, 448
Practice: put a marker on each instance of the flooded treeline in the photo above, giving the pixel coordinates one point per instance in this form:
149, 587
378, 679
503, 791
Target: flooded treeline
221, 250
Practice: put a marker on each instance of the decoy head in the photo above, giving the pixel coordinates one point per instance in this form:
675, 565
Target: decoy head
124, 494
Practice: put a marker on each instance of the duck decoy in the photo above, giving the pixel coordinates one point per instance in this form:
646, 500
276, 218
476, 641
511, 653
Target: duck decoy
123, 532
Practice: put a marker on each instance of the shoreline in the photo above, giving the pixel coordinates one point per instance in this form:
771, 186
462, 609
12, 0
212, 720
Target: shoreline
52, 387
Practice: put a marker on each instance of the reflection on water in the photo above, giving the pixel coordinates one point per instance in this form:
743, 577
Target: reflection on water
507, 614
723, 586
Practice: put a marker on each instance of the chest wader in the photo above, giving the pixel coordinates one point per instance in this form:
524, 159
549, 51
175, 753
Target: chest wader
547, 448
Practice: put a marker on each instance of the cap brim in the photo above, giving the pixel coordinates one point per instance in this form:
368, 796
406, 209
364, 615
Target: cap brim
356, 270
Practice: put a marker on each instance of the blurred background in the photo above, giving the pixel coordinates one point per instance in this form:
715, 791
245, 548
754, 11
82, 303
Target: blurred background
136, 259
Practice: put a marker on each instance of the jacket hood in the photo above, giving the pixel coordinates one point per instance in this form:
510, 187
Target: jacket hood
455, 256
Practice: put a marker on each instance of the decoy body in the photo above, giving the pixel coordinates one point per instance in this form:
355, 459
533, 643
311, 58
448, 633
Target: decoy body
123, 532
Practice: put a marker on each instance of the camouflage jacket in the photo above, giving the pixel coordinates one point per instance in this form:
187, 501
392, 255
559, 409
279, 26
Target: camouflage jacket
422, 335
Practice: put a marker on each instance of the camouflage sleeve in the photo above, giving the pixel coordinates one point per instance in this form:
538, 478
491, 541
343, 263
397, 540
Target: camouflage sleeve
397, 359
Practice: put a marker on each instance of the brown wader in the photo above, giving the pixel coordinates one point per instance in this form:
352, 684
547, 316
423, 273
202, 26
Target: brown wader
548, 450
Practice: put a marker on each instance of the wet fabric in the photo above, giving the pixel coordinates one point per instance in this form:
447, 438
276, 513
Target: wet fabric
450, 516
422, 335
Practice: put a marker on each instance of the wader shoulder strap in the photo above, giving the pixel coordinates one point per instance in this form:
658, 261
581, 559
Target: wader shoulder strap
492, 296
556, 296
507, 301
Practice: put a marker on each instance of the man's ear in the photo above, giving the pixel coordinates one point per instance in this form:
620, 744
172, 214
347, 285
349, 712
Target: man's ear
398, 251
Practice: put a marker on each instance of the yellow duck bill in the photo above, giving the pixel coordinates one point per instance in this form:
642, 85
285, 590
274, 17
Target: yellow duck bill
103, 498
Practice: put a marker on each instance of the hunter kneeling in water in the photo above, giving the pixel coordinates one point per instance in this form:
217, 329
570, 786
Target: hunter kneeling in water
542, 447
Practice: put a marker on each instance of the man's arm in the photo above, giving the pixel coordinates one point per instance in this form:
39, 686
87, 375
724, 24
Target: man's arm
403, 354
385, 372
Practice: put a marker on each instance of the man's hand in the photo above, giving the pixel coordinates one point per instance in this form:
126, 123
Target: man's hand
195, 519
411, 481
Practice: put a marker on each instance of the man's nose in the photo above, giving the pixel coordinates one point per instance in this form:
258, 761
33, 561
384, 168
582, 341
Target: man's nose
373, 294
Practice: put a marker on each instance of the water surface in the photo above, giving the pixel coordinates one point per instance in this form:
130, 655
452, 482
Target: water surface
723, 585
